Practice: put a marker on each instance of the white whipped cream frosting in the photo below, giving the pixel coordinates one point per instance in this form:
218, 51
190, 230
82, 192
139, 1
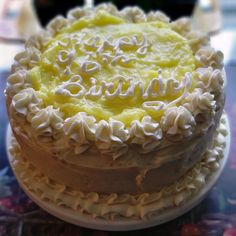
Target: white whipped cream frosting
18, 81
81, 130
80, 127
108, 7
178, 121
26, 59
208, 56
46, 121
77, 13
110, 137
26, 101
134, 14
56, 25
181, 26
210, 80
197, 40
199, 102
38, 40
147, 134
157, 16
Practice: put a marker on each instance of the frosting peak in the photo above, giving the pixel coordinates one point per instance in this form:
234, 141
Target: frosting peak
46, 121
81, 130
18, 81
77, 13
26, 101
146, 133
110, 137
38, 41
26, 59
208, 56
56, 25
178, 121
182, 25
108, 7
157, 16
199, 102
134, 14
197, 40
210, 80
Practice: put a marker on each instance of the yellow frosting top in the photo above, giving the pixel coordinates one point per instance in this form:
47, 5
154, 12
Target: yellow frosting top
110, 68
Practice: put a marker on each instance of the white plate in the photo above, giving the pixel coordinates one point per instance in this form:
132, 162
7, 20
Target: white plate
80, 219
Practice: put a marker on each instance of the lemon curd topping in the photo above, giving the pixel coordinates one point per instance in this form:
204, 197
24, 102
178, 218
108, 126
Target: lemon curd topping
107, 67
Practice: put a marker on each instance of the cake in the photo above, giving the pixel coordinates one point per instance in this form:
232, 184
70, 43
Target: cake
116, 113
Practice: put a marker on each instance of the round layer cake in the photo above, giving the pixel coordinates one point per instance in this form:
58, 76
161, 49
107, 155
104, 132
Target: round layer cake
115, 106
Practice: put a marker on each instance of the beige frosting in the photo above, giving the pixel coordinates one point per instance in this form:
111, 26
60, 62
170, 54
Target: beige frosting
110, 206
110, 137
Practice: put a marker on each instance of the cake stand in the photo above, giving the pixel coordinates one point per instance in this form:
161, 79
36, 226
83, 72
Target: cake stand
77, 218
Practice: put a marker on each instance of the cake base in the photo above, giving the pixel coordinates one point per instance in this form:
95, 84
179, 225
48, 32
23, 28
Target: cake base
121, 224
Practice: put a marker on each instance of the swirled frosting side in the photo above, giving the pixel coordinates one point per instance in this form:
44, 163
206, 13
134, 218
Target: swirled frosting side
110, 206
